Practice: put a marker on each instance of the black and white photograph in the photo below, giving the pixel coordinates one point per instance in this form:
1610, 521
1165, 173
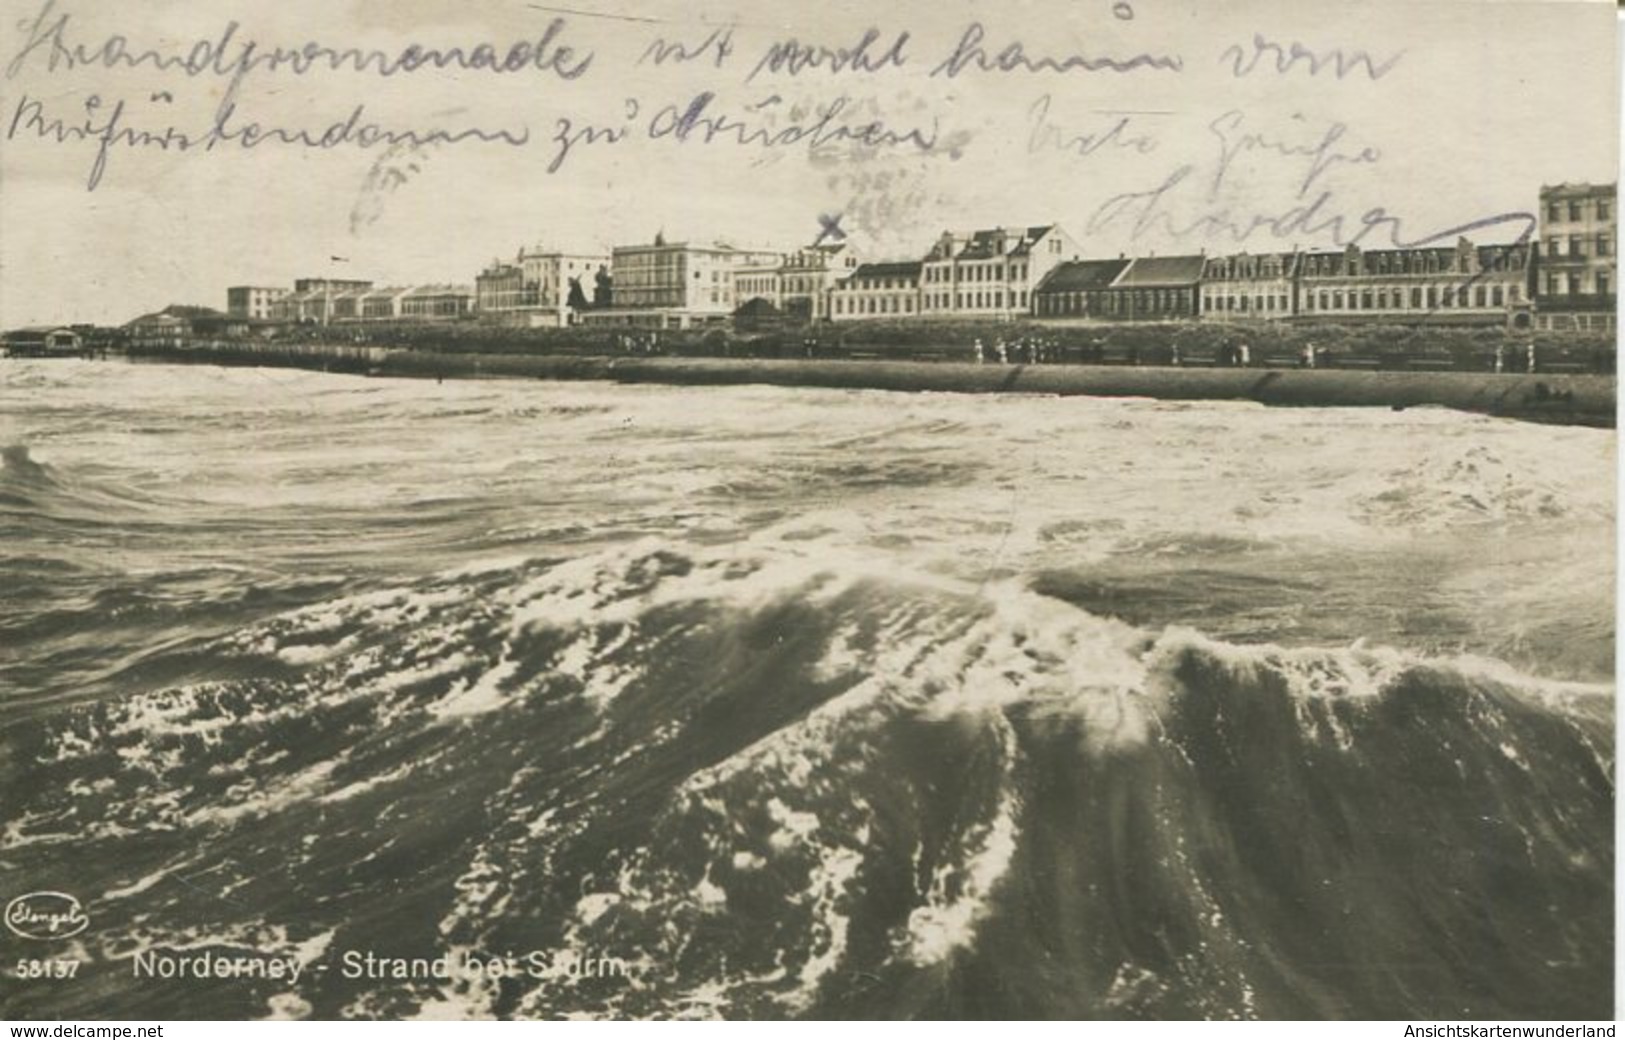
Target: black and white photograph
623, 510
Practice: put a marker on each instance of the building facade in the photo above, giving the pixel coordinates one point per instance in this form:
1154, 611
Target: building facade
990, 274
877, 291
314, 301
252, 301
759, 284
436, 303
500, 290
1466, 284
42, 341
1076, 290
686, 284
1154, 288
809, 275
1578, 282
1247, 287
543, 288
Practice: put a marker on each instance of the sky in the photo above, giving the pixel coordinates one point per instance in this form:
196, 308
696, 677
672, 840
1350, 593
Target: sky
1242, 126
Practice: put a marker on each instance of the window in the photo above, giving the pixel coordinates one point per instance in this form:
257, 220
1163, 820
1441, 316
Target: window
1481, 296
1554, 212
1604, 247
1433, 297
1498, 297
1574, 285
1574, 210
1602, 209
1602, 283
1576, 246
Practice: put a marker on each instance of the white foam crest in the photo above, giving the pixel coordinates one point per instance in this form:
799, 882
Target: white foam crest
958, 899
483, 695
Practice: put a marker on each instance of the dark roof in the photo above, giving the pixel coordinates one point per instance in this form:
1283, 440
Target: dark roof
900, 269
35, 332
983, 245
1150, 272
1078, 275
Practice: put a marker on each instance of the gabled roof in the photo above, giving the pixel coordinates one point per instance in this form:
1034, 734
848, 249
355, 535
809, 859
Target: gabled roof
1080, 275
984, 244
1153, 272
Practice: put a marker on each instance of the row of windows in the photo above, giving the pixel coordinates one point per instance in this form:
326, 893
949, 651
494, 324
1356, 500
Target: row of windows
1575, 209
1118, 302
975, 273
1604, 245
851, 307
1430, 298
1273, 302
974, 300
1574, 284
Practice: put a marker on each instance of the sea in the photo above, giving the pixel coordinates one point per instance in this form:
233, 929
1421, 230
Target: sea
333, 697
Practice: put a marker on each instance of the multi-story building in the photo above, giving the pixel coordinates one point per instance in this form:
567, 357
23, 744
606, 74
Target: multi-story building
990, 274
1464, 284
760, 284
799, 285
252, 301
500, 290
808, 276
1243, 287
677, 284
1075, 290
543, 287
1578, 282
874, 291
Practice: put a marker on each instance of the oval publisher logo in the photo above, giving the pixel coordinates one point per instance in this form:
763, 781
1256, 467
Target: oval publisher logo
46, 915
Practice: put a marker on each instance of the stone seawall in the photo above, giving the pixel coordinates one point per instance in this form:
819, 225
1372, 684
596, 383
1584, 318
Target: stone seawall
1586, 400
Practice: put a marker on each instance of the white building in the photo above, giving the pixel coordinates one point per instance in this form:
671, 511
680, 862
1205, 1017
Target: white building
990, 273
677, 284
543, 288
878, 291
252, 301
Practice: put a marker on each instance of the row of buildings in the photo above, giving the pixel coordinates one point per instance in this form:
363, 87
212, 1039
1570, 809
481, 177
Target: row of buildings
1565, 278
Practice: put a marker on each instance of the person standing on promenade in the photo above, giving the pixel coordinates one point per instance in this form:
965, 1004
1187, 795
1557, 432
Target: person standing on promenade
1173, 356
1003, 351
1500, 358
1530, 350
980, 358
1244, 355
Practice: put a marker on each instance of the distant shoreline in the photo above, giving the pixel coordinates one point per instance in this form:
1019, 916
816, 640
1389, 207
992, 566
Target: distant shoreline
1577, 400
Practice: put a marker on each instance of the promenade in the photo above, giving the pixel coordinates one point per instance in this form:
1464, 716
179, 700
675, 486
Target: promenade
1568, 398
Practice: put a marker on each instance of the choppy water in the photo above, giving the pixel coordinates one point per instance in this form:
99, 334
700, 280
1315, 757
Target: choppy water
787, 702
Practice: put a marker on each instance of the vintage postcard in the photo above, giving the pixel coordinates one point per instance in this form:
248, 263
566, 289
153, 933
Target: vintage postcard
637, 509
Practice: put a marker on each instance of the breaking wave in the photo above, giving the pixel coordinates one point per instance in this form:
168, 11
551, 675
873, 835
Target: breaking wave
768, 782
